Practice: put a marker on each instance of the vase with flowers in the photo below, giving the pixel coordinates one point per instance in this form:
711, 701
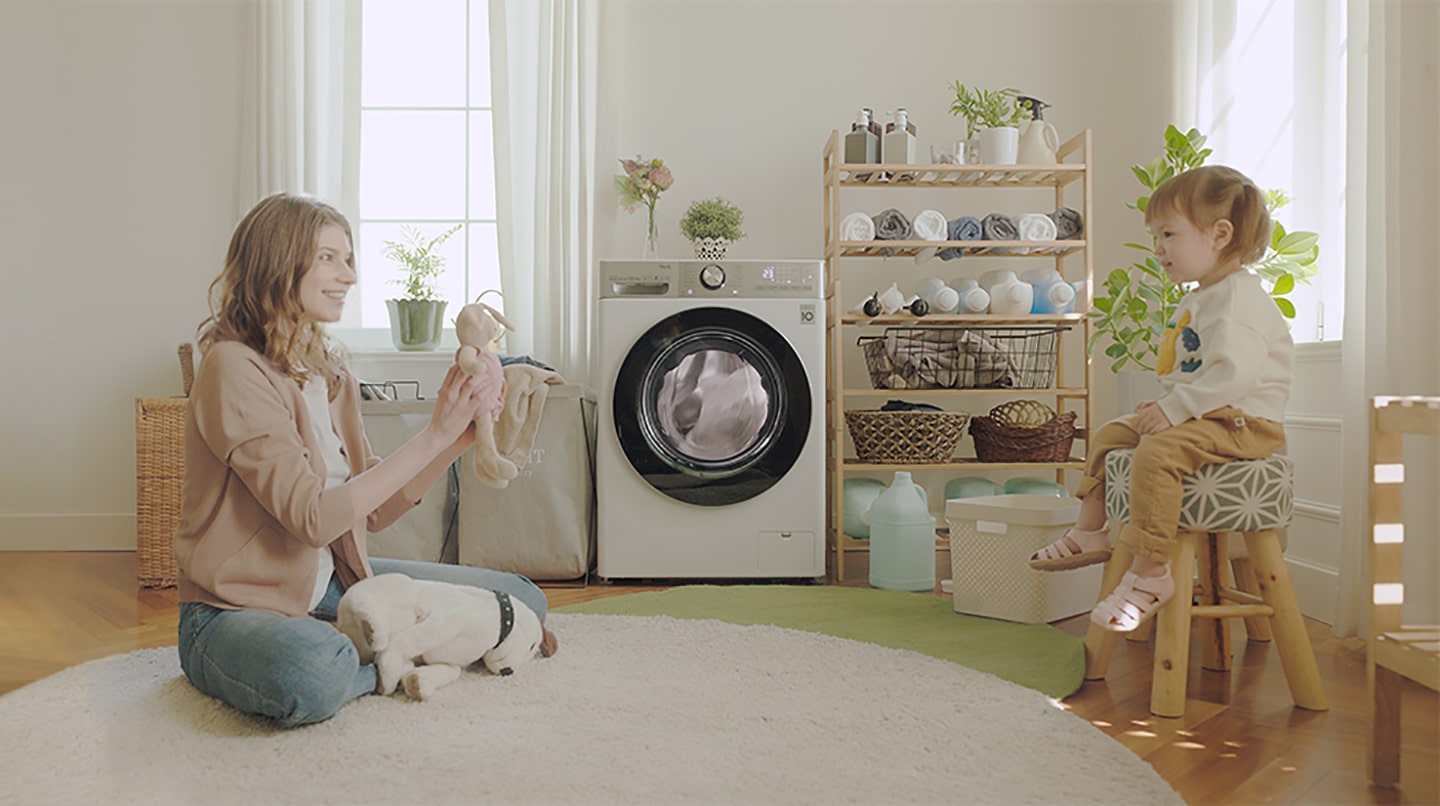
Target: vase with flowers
641, 184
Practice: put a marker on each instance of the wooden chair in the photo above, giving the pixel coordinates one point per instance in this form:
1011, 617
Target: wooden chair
1254, 498
1395, 650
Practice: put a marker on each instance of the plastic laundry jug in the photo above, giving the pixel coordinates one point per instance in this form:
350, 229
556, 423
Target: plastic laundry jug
1052, 293
970, 297
902, 538
1008, 295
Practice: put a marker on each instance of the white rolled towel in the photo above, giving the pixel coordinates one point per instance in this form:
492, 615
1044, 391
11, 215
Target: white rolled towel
857, 227
1035, 227
929, 225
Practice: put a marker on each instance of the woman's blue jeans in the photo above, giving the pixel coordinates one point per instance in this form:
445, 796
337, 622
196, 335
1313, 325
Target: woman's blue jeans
301, 670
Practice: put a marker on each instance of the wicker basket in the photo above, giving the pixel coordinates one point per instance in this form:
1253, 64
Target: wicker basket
1019, 431
159, 467
905, 437
962, 357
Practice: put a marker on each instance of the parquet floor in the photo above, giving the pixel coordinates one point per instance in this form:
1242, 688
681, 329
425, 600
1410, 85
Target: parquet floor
1239, 742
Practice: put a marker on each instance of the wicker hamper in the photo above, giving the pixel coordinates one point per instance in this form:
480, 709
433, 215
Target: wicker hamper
159, 467
905, 437
1023, 431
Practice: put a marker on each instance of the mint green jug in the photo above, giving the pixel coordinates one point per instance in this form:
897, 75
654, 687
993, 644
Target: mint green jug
902, 538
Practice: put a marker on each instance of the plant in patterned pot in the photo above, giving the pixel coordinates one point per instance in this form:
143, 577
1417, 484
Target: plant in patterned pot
711, 225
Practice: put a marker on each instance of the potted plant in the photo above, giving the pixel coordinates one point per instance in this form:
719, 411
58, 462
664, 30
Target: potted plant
1141, 299
711, 225
417, 318
995, 116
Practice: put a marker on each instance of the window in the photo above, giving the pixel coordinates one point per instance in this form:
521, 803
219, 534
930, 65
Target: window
426, 153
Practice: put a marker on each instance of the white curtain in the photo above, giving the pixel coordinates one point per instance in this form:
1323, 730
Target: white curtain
301, 117
542, 67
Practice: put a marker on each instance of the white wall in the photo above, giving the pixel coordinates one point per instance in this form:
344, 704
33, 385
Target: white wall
117, 196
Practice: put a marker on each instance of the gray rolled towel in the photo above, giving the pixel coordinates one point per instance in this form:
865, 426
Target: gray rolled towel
998, 227
1069, 226
964, 228
892, 225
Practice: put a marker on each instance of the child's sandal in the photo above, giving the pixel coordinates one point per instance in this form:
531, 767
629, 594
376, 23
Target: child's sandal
1093, 547
1133, 601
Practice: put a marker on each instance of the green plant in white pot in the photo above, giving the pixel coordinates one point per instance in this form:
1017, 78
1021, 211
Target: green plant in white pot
993, 115
711, 225
417, 318
1140, 300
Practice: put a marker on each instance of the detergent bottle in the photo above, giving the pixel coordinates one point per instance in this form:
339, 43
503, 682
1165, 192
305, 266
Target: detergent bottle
1038, 141
902, 538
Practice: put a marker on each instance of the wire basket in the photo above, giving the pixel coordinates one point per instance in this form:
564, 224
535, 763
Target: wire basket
1021, 431
962, 357
159, 468
905, 437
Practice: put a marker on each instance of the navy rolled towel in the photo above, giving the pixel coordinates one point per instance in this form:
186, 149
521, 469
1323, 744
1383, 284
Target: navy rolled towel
892, 225
964, 228
1069, 225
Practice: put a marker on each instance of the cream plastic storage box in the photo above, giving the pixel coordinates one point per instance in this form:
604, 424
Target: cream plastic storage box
991, 540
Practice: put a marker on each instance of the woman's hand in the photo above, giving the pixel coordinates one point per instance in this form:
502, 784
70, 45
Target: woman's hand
456, 405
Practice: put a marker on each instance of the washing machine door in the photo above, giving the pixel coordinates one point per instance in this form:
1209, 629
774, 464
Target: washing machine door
712, 406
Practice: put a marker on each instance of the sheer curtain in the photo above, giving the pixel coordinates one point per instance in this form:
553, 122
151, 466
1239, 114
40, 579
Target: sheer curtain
542, 67
301, 116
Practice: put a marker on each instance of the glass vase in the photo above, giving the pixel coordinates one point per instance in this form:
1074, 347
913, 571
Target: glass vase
651, 250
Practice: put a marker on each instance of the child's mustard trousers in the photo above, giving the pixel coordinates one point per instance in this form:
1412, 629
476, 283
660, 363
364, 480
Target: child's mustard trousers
1162, 460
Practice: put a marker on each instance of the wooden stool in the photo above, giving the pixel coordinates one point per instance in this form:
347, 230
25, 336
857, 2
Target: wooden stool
1254, 498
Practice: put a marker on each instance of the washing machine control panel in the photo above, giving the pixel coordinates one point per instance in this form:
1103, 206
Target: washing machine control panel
719, 279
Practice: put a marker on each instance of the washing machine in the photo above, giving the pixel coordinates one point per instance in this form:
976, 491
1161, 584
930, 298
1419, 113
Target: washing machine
710, 459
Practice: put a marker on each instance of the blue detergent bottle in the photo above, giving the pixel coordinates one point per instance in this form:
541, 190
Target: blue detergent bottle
902, 538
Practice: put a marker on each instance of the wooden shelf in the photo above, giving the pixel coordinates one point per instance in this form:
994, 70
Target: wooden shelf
884, 249
966, 464
953, 176
1008, 392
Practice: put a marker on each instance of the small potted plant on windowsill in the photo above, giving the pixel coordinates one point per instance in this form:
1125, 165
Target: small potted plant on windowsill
995, 116
711, 225
417, 318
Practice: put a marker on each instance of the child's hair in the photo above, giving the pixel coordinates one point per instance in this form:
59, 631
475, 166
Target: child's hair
1209, 193
256, 298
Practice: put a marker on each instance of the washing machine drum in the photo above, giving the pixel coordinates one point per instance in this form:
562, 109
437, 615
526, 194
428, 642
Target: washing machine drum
712, 406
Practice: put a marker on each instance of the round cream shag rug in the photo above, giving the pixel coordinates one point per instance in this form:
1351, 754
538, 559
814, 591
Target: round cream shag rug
633, 709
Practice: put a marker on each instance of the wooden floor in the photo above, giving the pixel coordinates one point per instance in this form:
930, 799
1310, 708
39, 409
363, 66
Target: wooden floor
1240, 741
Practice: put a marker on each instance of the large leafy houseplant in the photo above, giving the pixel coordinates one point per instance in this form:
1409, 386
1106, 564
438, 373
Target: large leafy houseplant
1141, 299
986, 108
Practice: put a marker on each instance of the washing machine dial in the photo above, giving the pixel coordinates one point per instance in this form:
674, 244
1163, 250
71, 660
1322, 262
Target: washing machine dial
712, 277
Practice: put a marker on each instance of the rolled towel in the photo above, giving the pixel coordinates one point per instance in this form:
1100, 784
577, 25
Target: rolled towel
929, 226
964, 228
998, 227
1069, 225
892, 225
857, 227
1034, 227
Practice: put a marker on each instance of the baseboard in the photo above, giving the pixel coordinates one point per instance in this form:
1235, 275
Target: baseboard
1315, 588
90, 532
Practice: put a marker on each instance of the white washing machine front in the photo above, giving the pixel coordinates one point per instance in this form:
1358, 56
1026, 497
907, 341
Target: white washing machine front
711, 453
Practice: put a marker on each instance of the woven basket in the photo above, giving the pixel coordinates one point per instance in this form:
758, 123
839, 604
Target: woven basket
159, 467
1017, 432
905, 437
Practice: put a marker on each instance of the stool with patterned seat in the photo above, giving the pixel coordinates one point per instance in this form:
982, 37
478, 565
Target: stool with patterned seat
1254, 498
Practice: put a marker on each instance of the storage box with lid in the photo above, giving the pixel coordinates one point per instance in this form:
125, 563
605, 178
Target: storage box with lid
991, 540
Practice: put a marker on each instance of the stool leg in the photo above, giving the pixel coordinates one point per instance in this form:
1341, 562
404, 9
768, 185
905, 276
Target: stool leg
1215, 650
1100, 642
1257, 628
1293, 643
1172, 634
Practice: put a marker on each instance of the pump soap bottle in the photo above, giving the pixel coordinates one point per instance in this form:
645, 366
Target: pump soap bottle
861, 144
900, 142
1039, 141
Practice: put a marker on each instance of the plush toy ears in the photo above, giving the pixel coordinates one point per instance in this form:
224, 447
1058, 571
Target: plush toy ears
496, 315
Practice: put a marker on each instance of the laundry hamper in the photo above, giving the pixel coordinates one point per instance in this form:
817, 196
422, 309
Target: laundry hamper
159, 469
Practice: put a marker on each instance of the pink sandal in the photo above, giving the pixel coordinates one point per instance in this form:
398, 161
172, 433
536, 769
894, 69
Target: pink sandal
1133, 601
1093, 547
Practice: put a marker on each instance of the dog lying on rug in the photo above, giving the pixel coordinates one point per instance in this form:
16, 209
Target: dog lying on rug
422, 634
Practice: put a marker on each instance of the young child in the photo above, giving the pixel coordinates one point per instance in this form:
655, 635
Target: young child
280, 483
1224, 367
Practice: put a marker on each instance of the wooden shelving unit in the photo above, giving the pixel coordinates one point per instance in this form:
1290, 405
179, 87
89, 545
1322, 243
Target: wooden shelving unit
1071, 258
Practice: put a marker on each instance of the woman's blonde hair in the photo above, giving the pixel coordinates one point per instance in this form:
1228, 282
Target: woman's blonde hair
1209, 193
256, 298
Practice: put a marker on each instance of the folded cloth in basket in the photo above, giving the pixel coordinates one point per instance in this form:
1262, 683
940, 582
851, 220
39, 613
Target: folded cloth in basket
526, 387
905, 405
947, 359
1068, 224
892, 225
964, 228
857, 227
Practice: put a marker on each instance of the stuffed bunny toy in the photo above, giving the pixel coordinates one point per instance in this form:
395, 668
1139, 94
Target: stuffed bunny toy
421, 634
477, 326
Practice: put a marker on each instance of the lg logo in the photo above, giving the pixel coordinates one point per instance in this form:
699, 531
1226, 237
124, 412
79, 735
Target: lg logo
807, 314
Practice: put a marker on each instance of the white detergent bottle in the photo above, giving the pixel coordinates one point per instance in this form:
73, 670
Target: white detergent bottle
902, 538
971, 298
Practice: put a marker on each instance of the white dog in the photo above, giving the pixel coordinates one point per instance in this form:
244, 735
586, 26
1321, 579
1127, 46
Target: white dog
425, 633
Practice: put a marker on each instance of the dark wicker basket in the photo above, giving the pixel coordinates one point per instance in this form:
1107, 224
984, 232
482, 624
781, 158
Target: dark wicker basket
1050, 442
906, 437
